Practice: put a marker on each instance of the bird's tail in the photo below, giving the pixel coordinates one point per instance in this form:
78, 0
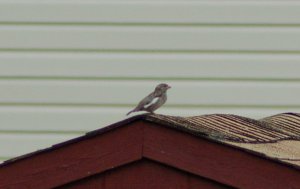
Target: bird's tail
130, 112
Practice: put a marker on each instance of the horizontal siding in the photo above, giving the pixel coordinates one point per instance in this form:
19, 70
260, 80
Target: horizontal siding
145, 38
149, 65
19, 144
191, 93
69, 66
133, 11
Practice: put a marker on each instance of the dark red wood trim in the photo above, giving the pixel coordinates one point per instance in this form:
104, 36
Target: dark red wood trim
144, 174
75, 161
215, 161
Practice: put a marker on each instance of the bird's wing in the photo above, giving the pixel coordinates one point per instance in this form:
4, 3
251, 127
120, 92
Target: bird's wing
153, 101
148, 99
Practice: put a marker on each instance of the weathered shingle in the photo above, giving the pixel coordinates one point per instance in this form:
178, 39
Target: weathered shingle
235, 128
276, 137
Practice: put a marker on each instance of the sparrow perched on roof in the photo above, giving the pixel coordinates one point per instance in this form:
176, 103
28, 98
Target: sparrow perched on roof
154, 100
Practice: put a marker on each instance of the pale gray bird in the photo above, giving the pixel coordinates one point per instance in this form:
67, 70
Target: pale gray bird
154, 100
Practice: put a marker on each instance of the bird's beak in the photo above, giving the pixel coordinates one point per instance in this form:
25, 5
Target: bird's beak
169, 87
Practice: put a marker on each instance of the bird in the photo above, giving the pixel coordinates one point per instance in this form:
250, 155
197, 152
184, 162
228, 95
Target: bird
154, 100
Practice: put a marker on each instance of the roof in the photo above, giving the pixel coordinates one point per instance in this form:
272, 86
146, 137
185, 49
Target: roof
229, 149
276, 137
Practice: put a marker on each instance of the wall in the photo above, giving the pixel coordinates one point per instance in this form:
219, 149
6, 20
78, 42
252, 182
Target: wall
68, 67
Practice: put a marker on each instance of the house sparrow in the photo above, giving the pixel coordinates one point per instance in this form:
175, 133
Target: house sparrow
154, 100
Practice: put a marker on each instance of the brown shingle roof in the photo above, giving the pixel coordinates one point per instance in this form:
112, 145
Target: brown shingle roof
276, 137
235, 128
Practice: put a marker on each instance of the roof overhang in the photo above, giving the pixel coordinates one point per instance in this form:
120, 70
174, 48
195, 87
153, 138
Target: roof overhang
137, 138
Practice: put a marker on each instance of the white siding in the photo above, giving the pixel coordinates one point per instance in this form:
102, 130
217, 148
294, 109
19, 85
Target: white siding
69, 66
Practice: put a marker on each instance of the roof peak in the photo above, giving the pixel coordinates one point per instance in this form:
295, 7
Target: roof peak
225, 128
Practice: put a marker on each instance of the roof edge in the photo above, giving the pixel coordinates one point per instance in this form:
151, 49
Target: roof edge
77, 139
